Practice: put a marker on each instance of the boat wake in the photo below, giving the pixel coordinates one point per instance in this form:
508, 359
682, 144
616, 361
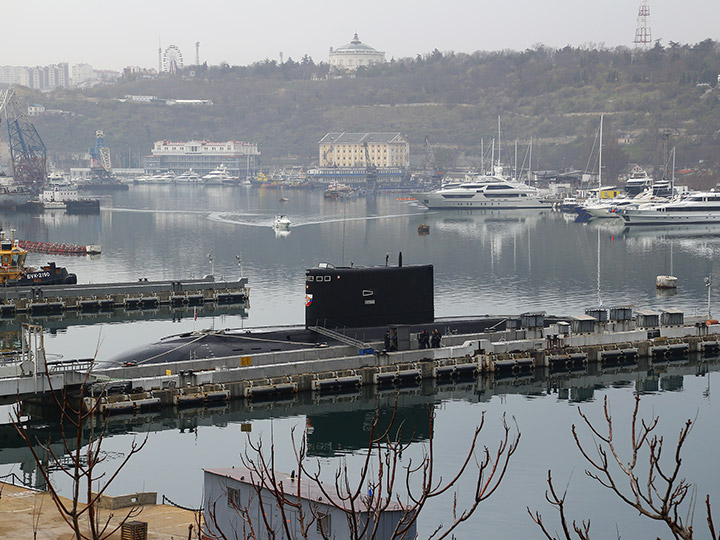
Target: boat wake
255, 220
260, 220
154, 211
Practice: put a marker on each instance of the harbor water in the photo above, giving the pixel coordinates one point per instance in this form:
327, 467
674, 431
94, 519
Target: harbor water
486, 262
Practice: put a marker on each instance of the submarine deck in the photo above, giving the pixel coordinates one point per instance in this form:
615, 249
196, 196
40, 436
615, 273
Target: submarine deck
233, 342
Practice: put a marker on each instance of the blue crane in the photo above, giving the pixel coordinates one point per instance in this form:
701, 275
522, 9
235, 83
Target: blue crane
27, 150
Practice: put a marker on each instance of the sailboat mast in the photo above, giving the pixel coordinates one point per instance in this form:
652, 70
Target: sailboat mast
482, 156
600, 157
499, 141
672, 176
492, 158
530, 160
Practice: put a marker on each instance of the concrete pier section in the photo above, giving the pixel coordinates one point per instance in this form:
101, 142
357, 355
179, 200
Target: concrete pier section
210, 366
141, 294
526, 344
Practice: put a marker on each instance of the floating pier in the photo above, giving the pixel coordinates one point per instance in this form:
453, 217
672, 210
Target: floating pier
279, 363
525, 347
136, 295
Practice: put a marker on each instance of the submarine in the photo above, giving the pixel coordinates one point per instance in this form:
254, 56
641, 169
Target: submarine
356, 302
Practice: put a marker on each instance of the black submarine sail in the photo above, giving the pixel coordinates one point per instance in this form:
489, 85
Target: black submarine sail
357, 296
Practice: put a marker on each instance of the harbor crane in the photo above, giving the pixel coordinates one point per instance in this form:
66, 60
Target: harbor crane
431, 170
100, 155
327, 160
371, 172
27, 150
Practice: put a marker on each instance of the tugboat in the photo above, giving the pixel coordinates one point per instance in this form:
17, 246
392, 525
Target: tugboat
14, 273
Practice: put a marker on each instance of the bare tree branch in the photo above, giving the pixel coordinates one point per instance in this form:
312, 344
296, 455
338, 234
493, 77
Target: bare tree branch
661, 494
381, 482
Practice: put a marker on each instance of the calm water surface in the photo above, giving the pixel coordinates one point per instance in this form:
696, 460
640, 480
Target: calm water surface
485, 263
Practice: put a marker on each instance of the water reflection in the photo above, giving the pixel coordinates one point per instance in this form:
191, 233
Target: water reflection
693, 230
63, 320
340, 423
479, 223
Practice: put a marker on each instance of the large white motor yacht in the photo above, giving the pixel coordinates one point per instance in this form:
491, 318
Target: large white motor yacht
699, 207
485, 192
188, 177
219, 176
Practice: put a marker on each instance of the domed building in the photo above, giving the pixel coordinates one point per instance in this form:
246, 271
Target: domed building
355, 54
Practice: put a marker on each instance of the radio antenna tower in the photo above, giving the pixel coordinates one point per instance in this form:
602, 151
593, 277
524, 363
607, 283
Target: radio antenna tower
197, 53
643, 34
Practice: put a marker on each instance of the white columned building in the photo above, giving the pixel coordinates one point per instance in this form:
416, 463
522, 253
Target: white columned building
355, 54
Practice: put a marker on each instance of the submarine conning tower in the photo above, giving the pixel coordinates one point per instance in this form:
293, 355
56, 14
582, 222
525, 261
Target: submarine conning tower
365, 296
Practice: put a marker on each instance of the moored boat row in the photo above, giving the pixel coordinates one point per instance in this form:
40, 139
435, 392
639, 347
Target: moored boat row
698, 207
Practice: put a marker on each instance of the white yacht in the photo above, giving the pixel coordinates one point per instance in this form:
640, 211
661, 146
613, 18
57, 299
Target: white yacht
164, 177
698, 207
218, 177
638, 181
612, 208
485, 192
188, 177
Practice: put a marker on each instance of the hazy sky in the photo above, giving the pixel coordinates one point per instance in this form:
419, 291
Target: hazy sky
115, 34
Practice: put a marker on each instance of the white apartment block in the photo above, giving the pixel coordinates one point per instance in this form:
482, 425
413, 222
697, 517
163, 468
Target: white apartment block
82, 73
54, 75
39, 77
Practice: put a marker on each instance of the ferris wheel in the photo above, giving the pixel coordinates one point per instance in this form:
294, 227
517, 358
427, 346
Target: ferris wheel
172, 59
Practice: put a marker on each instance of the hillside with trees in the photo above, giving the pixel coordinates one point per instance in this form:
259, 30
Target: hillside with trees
554, 96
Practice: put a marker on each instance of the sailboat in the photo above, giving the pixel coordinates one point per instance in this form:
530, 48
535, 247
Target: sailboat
597, 207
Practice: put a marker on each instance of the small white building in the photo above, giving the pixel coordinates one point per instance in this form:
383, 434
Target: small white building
35, 109
230, 493
354, 55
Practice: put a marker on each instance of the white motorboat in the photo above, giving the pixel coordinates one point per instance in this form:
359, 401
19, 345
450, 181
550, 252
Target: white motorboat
485, 192
219, 177
188, 177
698, 207
282, 222
165, 177
162, 178
666, 282
612, 208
